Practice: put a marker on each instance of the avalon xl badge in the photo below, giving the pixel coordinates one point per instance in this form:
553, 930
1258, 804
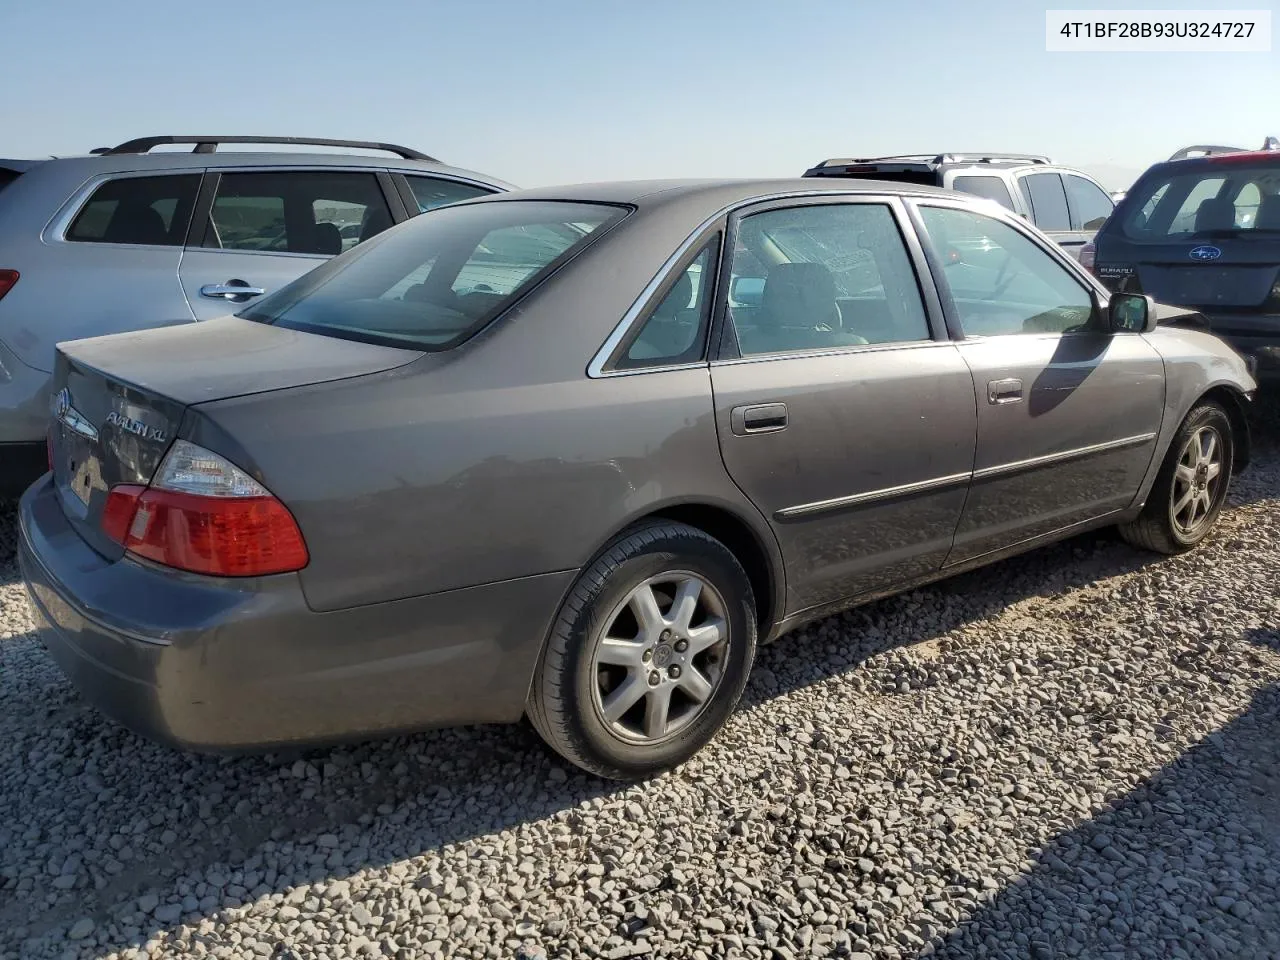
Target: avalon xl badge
1204, 253
137, 427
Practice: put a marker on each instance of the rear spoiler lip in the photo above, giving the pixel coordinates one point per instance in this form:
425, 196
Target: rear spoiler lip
19, 166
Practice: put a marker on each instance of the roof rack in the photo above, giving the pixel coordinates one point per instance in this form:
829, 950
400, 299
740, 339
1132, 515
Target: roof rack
210, 145
993, 158
937, 158
1204, 150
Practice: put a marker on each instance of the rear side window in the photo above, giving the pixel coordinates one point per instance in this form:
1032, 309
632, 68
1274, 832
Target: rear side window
296, 212
153, 211
1090, 207
1048, 201
1230, 198
676, 328
834, 276
438, 279
992, 188
431, 192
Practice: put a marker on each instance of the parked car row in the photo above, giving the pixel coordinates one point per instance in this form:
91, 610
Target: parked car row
572, 453
1066, 204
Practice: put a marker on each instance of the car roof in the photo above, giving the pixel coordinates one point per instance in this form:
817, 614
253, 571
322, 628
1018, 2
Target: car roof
96, 164
654, 193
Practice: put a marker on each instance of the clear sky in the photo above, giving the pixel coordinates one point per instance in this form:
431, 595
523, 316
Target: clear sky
552, 91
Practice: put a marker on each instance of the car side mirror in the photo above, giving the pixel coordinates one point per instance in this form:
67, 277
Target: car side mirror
1131, 313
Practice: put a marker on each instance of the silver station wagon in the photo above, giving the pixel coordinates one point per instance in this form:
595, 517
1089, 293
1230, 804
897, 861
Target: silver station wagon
574, 452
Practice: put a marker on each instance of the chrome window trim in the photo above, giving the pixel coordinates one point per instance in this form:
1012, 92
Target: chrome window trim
955, 479
596, 367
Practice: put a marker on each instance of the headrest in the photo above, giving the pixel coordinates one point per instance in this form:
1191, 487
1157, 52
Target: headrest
800, 295
1216, 213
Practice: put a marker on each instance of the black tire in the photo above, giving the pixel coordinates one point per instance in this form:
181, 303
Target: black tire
1155, 528
562, 702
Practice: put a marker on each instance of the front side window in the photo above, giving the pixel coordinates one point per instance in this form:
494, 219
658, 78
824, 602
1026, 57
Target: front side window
1225, 198
1002, 282
431, 192
1090, 206
823, 277
675, 329
992, 188
1048, 201
436, 280
296, 212
152, 211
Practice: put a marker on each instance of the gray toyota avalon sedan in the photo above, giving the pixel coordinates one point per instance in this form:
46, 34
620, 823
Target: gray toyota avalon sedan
573, 452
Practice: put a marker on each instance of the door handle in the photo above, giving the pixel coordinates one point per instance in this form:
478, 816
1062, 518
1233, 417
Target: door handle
231, 290
758, 418
1004, 391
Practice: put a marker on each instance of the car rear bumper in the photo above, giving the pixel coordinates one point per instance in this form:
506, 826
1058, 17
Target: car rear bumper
228, 665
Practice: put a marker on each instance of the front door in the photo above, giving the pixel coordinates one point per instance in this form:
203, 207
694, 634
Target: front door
1067, 413
843, 412
263, 229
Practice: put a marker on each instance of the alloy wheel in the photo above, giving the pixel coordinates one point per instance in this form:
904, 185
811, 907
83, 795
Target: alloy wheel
660, 657
1196, 480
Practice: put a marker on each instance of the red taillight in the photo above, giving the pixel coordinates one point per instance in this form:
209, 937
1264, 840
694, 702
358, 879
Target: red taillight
48, 449
117, 515
205, 515
220, 536
7, 279
1088, 253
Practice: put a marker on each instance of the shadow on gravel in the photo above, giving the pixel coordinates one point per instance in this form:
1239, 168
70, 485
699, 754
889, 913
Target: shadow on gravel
1194, 850
169, 823
174, 820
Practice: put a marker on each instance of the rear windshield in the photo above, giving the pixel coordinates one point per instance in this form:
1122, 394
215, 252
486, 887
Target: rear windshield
437, 279
1219, 199
7, 177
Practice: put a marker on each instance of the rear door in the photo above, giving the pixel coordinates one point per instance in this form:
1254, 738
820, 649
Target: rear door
258, 230
1045, 195
1090, 205
843, 410
1067, 413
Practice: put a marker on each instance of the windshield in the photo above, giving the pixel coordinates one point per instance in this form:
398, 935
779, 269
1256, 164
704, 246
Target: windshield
437, 279
1222, 199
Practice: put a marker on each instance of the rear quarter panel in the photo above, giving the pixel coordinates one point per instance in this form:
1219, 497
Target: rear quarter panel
68, 291
497, 460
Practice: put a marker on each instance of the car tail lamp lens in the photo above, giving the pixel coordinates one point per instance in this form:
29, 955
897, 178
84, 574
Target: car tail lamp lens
1087, 254
7, 279
205, 515
117, 515
48, 449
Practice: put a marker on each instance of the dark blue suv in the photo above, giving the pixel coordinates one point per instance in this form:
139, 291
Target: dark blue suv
1204, 233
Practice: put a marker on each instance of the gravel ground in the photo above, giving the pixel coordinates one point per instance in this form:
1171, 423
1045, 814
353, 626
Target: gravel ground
1071, 754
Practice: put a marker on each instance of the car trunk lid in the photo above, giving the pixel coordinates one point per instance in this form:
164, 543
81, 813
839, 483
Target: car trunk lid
1210, 275
119, 400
